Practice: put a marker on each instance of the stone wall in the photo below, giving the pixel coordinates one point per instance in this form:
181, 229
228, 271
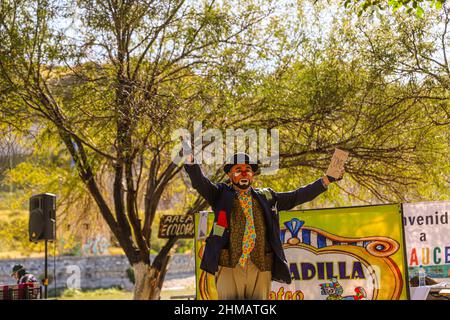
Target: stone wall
91, 272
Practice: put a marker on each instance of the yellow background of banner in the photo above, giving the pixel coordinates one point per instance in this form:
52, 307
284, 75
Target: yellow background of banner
351, 222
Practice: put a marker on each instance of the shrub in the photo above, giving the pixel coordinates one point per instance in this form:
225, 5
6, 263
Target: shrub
130, 275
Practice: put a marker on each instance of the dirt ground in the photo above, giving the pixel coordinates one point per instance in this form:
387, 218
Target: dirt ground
181, 282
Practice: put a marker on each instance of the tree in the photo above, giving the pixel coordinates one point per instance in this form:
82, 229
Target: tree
113, 92
375, 88
416, 6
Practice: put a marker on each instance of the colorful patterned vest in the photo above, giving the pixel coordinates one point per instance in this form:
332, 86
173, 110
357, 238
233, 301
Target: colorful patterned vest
261, 254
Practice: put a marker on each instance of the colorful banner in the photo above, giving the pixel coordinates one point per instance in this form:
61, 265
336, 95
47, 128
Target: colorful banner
354, 253
427, 232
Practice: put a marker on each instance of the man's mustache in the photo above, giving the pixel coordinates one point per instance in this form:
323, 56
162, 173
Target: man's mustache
244, 182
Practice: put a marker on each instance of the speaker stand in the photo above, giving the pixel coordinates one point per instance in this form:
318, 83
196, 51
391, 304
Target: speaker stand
45, 270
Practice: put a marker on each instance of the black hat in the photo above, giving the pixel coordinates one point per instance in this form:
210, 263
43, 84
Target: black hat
240, 158
17, 268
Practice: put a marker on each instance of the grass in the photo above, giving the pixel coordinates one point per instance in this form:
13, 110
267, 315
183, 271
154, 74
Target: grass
98, 294
116, 294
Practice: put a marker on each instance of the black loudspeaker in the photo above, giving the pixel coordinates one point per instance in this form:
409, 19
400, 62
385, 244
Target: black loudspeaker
42, 224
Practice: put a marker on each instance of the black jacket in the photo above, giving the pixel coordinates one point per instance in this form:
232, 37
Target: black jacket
220, 197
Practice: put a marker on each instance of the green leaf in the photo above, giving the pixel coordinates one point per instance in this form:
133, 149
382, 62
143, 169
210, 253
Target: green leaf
419, 12
392, 3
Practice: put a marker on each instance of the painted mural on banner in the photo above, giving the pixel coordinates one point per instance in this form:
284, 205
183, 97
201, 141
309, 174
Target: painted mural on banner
427, 232
354, 253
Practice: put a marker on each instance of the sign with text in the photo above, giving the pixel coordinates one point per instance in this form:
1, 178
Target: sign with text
181, 226
427, 232
354, 253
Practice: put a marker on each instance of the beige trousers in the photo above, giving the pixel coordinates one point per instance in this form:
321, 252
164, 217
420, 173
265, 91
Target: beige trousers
243, 283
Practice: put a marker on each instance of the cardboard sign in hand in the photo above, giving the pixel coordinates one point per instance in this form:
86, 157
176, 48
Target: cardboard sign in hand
186, 147
336, 167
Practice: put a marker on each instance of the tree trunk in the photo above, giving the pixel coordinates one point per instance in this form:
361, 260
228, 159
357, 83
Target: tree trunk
145, 282
149, 280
